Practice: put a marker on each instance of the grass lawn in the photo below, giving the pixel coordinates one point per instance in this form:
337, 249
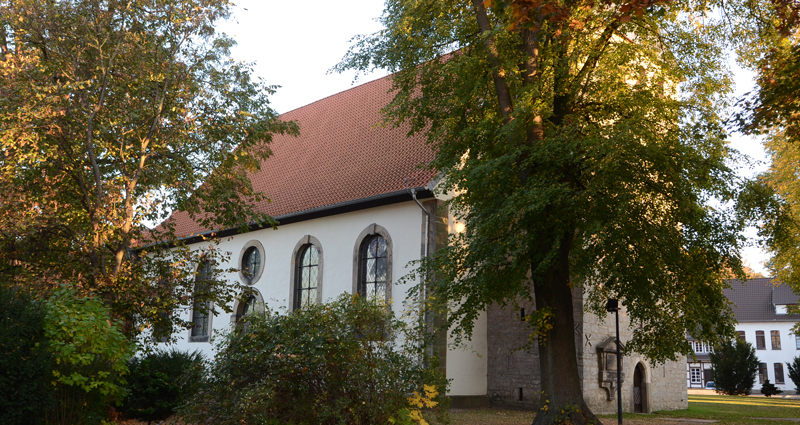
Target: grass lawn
727, 410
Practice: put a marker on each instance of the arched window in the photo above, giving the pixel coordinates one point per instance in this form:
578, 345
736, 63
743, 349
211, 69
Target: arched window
372, 264
248, 304
307, 273
201, 307
373, 268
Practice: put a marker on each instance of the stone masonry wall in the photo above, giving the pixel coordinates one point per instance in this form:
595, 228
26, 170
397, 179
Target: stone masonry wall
513, 374
664, 385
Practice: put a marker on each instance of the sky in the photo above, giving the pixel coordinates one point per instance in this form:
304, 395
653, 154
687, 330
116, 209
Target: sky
295, 42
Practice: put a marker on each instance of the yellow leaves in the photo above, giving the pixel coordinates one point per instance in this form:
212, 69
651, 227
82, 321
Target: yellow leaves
487, 3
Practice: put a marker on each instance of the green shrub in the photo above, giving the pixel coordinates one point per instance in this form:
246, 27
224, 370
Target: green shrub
160, 382
734, 367
337, 363
26, 364
91, 354
768, 389
794, 373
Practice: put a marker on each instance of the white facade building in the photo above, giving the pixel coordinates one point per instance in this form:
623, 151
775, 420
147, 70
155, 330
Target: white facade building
760, 309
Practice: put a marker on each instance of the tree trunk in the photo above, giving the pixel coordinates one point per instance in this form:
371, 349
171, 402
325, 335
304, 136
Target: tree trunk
562, 397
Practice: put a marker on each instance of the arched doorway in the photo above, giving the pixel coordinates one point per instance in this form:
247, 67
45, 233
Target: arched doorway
639, 390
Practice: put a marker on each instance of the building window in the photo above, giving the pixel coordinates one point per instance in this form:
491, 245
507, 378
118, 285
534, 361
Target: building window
762, 373
699, 347
779, 373
250, 262
372, 264
761, 344
775, 336
201, 307
797, 341
307, 277
695, 375
250, 303
741, 336
372, 270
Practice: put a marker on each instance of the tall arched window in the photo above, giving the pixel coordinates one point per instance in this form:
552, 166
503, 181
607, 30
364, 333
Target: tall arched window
373, 268
201, 307
307, 276
372, 264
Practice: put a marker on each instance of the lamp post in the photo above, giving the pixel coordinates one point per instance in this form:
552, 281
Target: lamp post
613, 305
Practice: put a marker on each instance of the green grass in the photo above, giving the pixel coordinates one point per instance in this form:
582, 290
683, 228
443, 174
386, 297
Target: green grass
737, 409
727, 410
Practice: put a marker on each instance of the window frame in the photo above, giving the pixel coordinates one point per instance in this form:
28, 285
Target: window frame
208, 265
761, 343
243, 277
775, 339
695, 375
778, 367
797, 341
299, 249
741, 335
368, 233
763, 373
241, 302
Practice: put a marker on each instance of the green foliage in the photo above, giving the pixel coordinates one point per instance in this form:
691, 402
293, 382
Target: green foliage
26, 363
114, 114
90, 351
768, 389
161, 381
734, 367
794, 373
336, 363
583, 143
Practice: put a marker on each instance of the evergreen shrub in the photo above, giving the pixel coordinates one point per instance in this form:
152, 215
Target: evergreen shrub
159, 382
794, 373
346, 362
734, 367
26, 364
768, 389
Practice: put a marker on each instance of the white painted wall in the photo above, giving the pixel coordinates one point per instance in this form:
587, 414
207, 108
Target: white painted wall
785, 355
337, 236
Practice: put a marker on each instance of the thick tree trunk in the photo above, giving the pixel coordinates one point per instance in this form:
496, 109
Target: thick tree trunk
562, 398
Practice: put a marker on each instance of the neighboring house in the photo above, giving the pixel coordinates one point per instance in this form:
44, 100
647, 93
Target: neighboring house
760, 309
356, 206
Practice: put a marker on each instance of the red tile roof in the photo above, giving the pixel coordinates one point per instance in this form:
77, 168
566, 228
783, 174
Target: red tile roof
343, 153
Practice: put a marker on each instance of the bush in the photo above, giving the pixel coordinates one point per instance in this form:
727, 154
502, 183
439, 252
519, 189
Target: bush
734, 367
794, 373
91, 353
768, 389
160, 382
26, 364
337, 363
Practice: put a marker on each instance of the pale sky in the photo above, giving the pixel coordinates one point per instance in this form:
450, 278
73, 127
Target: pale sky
295, 42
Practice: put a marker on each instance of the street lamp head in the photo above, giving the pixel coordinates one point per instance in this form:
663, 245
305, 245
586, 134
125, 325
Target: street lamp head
612, 305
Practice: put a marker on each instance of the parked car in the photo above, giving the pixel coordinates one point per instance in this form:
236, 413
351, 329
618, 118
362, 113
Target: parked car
710, 385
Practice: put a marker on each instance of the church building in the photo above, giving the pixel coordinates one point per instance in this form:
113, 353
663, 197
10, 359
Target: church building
356, 205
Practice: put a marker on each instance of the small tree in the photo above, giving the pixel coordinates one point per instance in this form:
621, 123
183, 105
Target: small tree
734, 367
769, 389
794, 373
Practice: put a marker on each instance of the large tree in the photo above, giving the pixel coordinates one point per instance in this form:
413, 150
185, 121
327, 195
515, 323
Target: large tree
772, 111
584, 143
113, 113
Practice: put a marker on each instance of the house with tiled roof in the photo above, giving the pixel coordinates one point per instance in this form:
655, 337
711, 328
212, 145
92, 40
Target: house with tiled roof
760, 306
357, 204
